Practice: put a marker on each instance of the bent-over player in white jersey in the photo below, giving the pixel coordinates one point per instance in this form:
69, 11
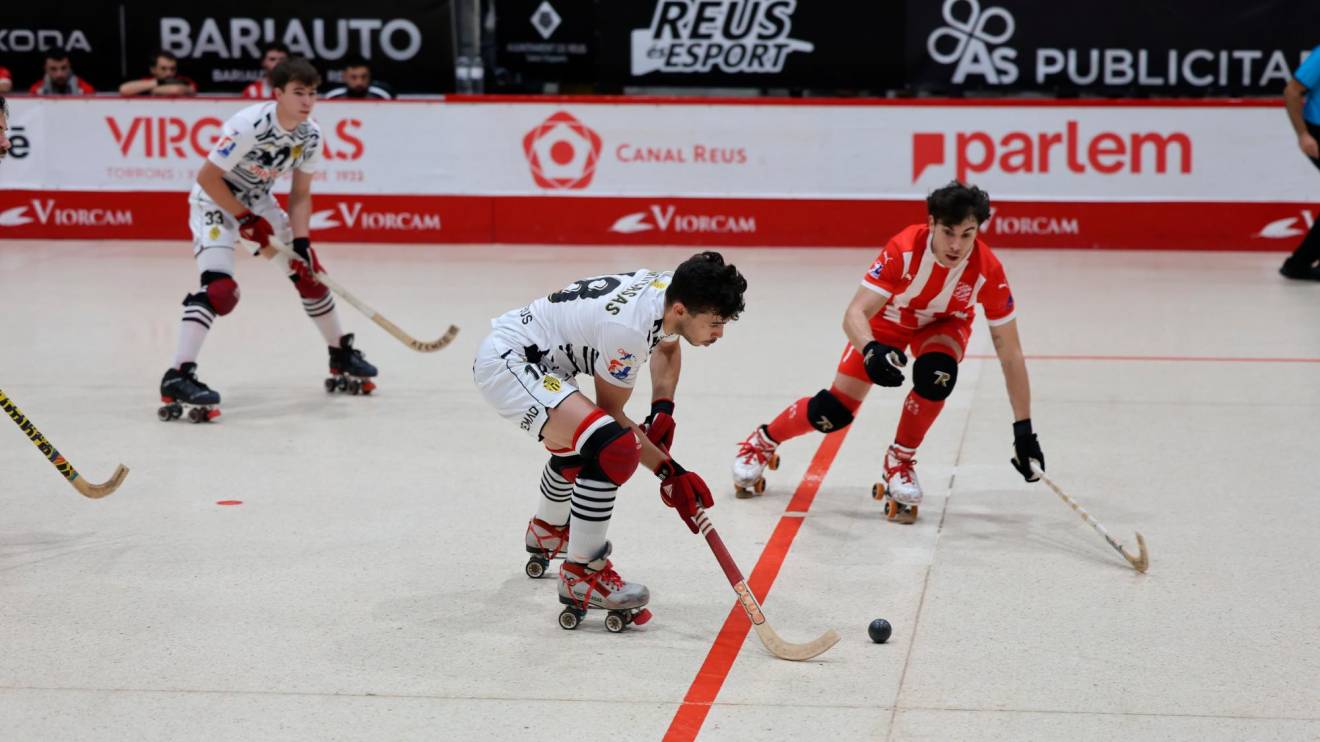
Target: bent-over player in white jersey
606, 327
231, 199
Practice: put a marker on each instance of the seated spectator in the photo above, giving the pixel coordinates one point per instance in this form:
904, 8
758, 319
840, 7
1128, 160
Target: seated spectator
164, 79
6, 81
271, 55
358, 83
59, 78
4, 128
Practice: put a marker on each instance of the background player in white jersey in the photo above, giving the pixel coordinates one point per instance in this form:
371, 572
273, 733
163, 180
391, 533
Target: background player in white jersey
919, 295
231, 199
606, 327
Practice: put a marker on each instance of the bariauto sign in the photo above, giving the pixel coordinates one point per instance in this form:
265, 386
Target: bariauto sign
976, 42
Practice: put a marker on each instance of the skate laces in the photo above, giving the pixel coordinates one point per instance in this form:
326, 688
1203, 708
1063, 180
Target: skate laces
543, 532
755, 446
902, 466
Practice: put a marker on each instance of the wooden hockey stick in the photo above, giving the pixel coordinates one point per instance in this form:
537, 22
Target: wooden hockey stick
1141, 562
772, 641
85, 488
372, 314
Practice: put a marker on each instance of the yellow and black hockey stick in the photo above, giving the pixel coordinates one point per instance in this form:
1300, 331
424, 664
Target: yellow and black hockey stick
85, 488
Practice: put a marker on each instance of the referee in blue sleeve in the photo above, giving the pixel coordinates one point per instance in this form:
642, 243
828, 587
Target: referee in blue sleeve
1302, 98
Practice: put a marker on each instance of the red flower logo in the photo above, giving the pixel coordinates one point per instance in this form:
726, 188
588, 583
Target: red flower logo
562, 152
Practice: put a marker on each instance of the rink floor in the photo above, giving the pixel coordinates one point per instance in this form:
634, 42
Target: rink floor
370, 586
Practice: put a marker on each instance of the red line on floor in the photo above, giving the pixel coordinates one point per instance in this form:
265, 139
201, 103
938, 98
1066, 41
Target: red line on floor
719, 661
1156, 359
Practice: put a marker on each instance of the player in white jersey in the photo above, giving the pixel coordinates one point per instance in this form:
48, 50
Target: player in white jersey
232, 199
607, 328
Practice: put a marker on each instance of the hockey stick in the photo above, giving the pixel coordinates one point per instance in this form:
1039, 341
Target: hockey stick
772, 641
1141, 562
372, 314
85, 488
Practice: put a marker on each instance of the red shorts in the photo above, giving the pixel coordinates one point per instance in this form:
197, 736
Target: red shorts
907, 339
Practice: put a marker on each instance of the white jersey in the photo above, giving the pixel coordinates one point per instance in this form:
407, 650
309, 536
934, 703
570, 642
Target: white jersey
604, 326
254, 152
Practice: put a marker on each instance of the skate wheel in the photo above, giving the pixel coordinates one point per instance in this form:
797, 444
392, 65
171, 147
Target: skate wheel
196, 415
354, 387
341, 383
878, 491
568, 619
773, 463
615, 622
329, 386
759, 487
535, 568
641, 617
163, 414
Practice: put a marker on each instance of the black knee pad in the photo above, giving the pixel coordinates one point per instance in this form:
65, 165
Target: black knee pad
934, 375
827, 414
611, 451
567, 467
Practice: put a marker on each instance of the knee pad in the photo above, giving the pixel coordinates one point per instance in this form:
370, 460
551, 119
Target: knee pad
613, 450
221, 291
934, 375
827, 414
567, 467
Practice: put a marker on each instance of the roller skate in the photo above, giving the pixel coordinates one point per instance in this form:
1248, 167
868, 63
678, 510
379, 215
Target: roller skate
181, 393
545, 542
900, 492
596, 585
349, 370
756, 453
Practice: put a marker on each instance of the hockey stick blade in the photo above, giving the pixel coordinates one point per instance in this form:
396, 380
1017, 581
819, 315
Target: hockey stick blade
1140, 562
795, 652
97, 491
393, 329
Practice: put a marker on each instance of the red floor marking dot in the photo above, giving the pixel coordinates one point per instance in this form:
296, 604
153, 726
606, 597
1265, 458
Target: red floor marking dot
228, 502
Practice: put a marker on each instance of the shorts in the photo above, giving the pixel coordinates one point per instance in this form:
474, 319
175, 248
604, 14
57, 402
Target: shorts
905, 338
215, 231
520, 390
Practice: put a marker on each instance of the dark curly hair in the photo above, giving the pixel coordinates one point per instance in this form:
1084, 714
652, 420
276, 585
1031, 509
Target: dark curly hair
705, 284
952, 204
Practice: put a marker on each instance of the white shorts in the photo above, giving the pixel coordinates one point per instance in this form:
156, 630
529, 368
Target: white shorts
521, 391
215, 231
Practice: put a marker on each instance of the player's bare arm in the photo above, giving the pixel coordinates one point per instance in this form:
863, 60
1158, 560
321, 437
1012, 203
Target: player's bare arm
1008, 346
212, 180
1294, 98
666, 362
865, 304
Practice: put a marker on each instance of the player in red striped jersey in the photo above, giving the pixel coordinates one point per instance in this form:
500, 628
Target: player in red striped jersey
919, 295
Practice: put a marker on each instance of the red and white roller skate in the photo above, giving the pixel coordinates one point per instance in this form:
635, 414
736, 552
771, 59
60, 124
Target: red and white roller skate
595, 585
756, 453
545, 542
900, 492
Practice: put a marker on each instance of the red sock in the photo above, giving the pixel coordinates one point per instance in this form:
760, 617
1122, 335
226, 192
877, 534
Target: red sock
791, 423
794, 421
918, 414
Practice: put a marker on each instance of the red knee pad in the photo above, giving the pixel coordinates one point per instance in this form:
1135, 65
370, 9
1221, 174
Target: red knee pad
614, 450
223, 295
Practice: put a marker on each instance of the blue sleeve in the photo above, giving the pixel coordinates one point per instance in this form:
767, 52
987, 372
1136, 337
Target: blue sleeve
1308, 73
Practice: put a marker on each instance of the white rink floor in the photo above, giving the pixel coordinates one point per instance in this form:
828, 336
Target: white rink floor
370, 586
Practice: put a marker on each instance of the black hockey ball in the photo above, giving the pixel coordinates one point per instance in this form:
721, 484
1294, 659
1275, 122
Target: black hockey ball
879, 631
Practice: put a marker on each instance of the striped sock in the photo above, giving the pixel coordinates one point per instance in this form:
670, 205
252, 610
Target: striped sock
322, 311
555, 494
196, 322
593, 502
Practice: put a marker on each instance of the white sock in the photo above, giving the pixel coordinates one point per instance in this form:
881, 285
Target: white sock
196, 323
555, 494
323, 313
593, 502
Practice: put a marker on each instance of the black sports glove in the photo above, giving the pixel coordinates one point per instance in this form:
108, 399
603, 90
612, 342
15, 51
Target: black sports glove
1025, 450
883, 363
303, 247
659, 426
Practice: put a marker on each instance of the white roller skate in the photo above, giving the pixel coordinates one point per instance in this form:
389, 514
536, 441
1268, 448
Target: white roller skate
545, 541
595, 584
756, 453
900, 492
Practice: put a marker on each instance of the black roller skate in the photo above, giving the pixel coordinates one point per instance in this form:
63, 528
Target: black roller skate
181, 393
349, 370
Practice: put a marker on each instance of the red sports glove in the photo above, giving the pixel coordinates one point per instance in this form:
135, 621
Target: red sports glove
659, 426
254, 228
303, 275
684, 491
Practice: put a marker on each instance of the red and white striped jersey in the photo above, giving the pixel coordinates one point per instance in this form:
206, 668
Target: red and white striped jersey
921, 291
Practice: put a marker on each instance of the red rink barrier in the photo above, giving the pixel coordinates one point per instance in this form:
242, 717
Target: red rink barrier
676, 221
